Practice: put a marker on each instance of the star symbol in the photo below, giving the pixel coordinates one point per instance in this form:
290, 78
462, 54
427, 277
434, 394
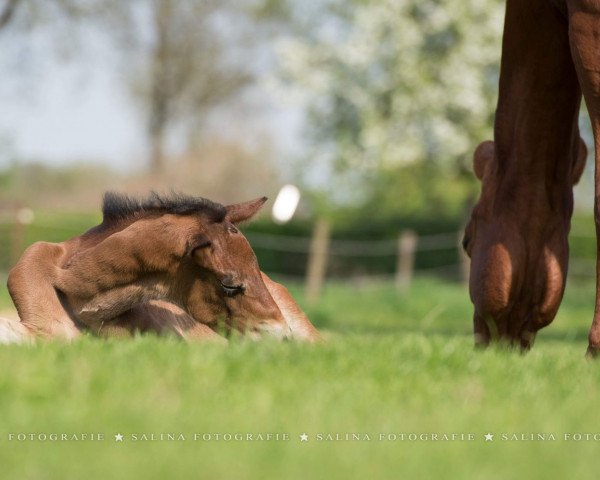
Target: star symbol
304, 437
118, 437
489, 437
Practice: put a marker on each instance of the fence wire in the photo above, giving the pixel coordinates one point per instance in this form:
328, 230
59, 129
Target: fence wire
351, 248
343, 248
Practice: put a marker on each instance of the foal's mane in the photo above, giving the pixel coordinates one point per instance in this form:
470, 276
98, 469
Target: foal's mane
117, 206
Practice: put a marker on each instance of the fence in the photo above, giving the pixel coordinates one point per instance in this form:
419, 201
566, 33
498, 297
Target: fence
322, 255
321, 251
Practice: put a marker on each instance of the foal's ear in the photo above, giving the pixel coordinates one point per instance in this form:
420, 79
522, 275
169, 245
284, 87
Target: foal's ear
579, 164
240, 212
483, 158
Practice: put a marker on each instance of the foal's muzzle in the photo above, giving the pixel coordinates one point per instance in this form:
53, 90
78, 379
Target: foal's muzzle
271, 329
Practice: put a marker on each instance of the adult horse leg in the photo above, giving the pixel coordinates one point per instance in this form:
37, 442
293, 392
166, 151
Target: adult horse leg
584, 33
517, 235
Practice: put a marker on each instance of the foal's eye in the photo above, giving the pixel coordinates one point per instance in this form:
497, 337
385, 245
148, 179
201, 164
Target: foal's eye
232, 290
232, 229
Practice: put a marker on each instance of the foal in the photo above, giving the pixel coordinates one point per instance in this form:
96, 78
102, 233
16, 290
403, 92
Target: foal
146, 265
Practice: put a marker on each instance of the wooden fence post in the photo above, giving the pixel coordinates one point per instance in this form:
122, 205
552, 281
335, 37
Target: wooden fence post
465, 261
317, 260
407, 247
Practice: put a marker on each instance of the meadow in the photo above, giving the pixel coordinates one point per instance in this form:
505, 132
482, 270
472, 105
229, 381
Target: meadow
392, 365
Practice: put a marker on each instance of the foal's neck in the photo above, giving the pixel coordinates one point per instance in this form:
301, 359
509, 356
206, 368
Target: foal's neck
126, 268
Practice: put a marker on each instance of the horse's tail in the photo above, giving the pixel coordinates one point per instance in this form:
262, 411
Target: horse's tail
13, 331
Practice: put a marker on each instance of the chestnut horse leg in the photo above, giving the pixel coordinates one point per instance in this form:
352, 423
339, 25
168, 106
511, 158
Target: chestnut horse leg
584, 32
528, 204
485, 330
31, 287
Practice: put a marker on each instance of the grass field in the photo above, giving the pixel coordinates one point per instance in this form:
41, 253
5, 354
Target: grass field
391, 365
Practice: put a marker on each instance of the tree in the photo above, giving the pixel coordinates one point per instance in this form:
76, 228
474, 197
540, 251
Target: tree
7, 12
31, 13
191, 62
182, 57
393, 85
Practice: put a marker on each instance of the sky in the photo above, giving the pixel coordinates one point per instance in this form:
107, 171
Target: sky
68, 116
59, 111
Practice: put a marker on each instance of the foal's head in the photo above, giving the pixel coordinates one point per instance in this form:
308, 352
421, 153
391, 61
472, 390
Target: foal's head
517, 241
225, 264
207, 264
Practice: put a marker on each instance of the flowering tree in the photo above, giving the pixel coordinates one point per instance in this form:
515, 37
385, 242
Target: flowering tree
392, 84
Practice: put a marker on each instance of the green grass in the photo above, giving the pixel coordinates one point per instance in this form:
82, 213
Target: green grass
392, 364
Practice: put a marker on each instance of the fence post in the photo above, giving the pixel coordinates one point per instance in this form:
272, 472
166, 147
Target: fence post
465, 261
407, 247
317, 260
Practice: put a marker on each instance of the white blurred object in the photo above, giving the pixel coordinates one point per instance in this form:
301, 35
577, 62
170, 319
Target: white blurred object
286, 203
25, 216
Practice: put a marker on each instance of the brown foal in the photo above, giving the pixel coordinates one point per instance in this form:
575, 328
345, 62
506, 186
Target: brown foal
176, 264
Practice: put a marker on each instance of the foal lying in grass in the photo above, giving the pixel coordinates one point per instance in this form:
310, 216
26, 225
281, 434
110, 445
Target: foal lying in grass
164, 264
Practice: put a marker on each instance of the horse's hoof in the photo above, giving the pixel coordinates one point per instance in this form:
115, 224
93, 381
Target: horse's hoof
592, 352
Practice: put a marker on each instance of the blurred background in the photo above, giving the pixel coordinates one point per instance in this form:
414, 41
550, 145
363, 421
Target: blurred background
358, 118
371, 110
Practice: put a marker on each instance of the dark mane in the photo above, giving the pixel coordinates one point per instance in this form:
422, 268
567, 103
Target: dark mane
118, 206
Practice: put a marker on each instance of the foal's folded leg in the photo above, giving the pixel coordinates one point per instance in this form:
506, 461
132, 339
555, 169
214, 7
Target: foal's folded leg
31, 287
301, 326
161, 318
13, 331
